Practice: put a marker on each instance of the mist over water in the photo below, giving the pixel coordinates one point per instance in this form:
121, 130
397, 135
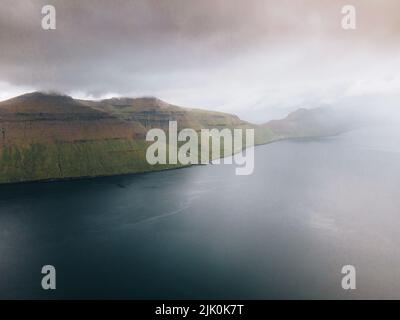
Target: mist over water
310, 207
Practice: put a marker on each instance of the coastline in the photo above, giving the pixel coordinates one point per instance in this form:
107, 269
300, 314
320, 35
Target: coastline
68, 179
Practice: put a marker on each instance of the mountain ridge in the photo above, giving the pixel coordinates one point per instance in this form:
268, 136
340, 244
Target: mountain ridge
51, 136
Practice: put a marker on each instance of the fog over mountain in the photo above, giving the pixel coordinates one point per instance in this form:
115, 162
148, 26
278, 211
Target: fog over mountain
259, 59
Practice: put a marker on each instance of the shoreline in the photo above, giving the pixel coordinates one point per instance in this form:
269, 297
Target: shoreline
70, 179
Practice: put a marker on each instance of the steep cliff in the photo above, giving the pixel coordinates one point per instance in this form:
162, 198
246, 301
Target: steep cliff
52, 136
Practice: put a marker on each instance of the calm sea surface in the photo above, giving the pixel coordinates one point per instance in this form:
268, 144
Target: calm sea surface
311, 207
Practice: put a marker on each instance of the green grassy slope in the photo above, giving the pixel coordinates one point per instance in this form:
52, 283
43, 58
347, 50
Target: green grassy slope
62, 160
46, 137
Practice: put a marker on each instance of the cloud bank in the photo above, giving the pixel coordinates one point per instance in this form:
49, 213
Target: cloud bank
257, 58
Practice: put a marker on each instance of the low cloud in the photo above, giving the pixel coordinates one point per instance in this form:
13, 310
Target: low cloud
249, 57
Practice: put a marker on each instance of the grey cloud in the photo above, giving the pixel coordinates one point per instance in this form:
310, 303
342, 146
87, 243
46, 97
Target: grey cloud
177, 47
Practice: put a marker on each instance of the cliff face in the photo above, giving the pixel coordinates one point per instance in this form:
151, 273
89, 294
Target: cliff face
38, 118
154, 113
50, 136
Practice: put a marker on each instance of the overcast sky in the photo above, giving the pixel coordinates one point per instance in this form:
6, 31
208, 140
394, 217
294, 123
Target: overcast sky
256, 58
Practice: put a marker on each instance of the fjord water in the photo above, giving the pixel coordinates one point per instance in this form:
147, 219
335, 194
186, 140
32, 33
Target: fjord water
311, 207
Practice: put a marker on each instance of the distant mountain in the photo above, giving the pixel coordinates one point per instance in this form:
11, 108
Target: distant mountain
53, 136
309, 123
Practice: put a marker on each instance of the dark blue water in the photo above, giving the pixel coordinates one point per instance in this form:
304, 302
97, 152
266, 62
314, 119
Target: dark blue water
310, 207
